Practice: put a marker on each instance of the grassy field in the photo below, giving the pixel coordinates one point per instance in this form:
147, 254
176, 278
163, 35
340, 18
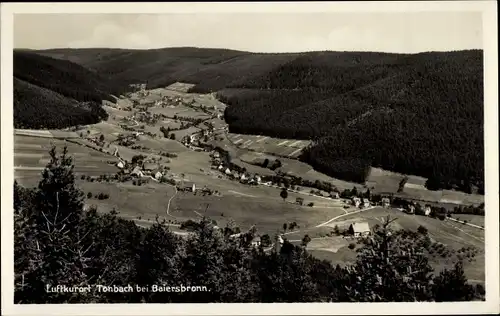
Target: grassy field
145, 201
179, 86
283, 147
268, 215
453, 235
31, 154
470, 218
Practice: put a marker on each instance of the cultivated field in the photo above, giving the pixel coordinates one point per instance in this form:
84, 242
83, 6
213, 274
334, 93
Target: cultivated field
31, 154
281, 147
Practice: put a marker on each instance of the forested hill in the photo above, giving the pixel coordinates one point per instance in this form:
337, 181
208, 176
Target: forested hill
418, 114
53, 93
210, 69
415, 114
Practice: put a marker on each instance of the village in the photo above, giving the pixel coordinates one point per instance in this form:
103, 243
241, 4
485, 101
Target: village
178, 145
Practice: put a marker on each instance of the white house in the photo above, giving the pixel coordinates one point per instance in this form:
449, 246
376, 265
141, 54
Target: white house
258, 179
243, 177
221, 167
120, 165
359, 229
356, 201
427, 210
386, 202
228, 172
411, 209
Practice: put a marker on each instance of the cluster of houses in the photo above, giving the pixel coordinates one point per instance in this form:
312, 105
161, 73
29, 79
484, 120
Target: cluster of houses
360, 203
243, 177
168, 101
147, 169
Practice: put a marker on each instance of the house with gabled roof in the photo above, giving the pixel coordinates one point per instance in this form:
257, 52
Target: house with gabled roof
360, 229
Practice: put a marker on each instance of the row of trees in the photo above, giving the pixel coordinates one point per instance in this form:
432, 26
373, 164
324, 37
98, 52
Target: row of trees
59, 242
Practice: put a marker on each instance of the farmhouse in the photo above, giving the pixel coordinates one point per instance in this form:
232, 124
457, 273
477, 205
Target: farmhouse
359, 229
334, 195
120, 165
188, 187
228, 172
137, 172
356, 201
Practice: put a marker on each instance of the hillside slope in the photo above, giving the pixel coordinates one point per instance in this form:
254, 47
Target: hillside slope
210, 69
53, 93
417, 114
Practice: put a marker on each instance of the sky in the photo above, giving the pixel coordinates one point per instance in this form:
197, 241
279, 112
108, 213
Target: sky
405, 32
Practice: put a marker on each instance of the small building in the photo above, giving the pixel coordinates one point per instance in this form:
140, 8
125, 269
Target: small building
120, 165
256, 241
137, 172
366, 202
386, 202
427, 210
356, 201
157, 174
359, 229
334, 195
258, 179
221, 167
299, 201
228, 172
216, 154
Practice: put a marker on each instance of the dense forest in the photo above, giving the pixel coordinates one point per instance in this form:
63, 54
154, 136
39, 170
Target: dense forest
52, 93
58, 241
418, 114
40, 108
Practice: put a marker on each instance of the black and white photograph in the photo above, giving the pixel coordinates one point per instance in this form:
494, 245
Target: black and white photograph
187, 153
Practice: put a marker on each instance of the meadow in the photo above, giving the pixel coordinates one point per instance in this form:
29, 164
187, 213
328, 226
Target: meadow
452, 235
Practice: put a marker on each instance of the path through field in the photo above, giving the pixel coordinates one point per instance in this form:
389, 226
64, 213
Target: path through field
169, 201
